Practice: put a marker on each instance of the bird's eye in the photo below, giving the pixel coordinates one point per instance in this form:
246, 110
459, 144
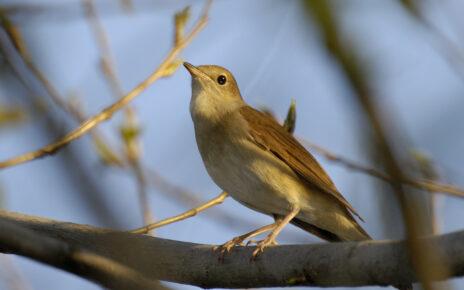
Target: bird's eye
221, 79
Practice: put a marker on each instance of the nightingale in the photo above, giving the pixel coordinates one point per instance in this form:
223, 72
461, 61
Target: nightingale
262, 166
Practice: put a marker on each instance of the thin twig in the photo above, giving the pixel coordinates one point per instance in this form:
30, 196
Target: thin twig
108, 112
192, 212
424, 184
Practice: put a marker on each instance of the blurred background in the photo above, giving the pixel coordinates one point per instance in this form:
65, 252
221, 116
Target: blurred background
414, 56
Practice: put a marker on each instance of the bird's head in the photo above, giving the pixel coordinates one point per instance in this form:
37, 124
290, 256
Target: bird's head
214, 91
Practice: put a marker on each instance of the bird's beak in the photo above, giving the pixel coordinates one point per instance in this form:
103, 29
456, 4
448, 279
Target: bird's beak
194, 71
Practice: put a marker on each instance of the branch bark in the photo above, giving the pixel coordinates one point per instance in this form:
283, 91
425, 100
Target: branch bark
326, 264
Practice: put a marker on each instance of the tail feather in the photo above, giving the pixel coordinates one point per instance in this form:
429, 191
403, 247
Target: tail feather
321, 233
327, 235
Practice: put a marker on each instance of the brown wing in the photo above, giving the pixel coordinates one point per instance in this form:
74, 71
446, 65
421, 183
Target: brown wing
268, 134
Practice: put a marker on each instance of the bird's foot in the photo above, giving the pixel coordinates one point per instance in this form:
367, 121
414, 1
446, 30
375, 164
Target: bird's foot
228, 246
261, 245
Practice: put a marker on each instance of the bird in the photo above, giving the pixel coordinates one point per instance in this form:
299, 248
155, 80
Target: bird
263, 166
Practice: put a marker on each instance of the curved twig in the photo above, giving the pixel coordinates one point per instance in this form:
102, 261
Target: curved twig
424, 184
190, 213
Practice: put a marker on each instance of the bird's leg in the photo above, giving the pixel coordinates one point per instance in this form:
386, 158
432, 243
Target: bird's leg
270, 239
226, 247
277, 220
256, 242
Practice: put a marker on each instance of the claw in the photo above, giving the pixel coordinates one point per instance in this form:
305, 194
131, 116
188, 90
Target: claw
238, 241
261, 245
228, 246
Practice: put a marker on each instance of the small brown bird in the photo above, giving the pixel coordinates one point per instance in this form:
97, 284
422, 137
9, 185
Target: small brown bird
262, 166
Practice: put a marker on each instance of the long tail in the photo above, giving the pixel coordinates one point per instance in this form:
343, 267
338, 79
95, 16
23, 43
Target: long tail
321, 233
331, 237
327, 235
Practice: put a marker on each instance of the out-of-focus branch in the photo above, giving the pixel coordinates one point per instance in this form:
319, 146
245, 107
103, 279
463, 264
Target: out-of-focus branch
11, 116
107, 113
364, 263
423, 184
427, 169
21, 240
426, 261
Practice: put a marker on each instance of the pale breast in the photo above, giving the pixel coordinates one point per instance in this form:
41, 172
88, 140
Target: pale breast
251, 175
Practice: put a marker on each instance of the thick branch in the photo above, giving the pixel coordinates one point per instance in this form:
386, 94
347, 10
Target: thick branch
336, 264
24, 241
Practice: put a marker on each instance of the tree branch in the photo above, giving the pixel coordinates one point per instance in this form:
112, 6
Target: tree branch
326, 264
23, 241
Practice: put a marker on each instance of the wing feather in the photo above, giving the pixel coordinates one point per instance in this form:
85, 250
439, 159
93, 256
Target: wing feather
271, 136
